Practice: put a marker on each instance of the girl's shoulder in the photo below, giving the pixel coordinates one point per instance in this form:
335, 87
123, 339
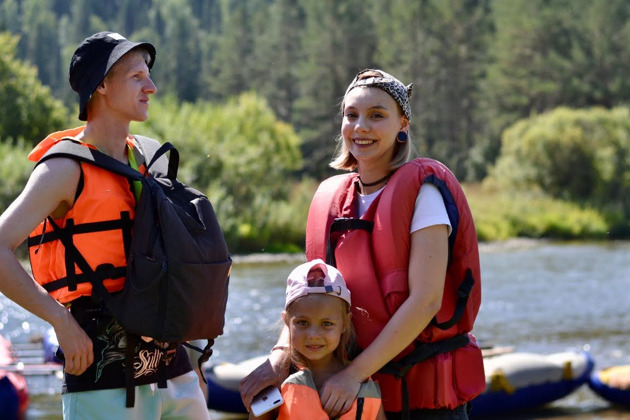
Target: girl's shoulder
369, 389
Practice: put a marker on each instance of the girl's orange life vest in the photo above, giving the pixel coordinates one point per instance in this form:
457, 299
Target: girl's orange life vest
375, 265
301, 400
99, 223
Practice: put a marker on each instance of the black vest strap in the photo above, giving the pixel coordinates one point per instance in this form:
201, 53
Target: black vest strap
95, 277
106, 271
463, 292
360, 402
341, 225
422, 352
67, 233
73, 256
123, 223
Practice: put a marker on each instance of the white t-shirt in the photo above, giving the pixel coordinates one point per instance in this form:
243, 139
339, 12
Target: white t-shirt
429, 209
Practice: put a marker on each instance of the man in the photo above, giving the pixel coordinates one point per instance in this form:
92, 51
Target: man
93, 206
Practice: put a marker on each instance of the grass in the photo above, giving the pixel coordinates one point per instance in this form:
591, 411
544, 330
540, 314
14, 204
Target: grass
501, 215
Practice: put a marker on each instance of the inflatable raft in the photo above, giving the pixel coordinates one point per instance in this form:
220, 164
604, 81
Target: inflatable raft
223, 380
518, 382
612, 384
514, 381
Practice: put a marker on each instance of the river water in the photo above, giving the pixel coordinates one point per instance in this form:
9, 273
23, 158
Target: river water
540, 297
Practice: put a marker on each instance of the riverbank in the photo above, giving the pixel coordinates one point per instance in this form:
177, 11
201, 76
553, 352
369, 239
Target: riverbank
269, 258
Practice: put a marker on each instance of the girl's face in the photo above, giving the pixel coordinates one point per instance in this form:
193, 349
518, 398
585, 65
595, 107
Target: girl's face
371, 121
316, 323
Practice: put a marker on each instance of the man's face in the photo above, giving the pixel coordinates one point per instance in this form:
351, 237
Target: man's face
127, 87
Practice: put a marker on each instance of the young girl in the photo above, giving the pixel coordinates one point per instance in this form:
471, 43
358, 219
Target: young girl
317, 314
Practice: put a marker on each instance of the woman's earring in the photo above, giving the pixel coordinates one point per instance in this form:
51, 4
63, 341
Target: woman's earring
401, 137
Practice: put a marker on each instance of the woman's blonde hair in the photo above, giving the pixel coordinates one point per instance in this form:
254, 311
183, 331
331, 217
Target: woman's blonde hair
343, 159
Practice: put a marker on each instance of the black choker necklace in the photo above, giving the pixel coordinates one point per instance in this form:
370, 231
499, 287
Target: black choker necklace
378, 181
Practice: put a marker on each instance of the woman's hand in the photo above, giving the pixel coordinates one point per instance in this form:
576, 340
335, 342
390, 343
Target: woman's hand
338, 393
272, 372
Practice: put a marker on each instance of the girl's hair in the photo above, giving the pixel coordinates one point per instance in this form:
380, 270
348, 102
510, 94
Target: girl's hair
343, 159
346, 345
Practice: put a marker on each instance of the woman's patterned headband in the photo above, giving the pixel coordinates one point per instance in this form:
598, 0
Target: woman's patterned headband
389, 84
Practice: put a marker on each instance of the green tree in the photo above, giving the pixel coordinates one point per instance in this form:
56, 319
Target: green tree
40, 36
440, 46
9, 16
240, 154
600, 55
15, 169
337, 41
232, 69
27, 108
276, 52
582, 155
179, 65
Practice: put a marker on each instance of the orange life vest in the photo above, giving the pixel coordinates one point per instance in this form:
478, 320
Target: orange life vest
375, 266
99, 223
301, 400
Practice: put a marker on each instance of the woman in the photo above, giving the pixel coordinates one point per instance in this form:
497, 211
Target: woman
402, 235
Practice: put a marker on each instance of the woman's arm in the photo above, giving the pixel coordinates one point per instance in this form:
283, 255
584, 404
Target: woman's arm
273, 371
427, 273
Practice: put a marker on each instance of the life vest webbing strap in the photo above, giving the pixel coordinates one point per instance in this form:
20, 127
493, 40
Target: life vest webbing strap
422, 352
340, 225
67, 231
122, 223
360, 402
106, 271
96, 277
463, 292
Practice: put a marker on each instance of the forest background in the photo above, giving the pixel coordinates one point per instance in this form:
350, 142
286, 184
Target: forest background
525, 100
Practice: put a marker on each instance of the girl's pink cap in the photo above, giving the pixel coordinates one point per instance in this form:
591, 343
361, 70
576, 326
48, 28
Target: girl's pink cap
316, 277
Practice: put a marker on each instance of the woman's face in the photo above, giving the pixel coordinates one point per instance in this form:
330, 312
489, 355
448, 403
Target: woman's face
371, 121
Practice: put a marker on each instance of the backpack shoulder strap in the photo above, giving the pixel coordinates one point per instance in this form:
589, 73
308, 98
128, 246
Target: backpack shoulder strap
155, 157
73, 150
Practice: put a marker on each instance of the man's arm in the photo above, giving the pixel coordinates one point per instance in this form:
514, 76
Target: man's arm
49, 191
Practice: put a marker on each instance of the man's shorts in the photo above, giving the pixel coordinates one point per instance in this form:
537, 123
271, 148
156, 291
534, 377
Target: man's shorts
181, 399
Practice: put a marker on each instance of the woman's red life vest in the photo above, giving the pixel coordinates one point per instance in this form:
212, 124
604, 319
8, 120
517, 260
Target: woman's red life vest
99, 223
301, 400
374, 262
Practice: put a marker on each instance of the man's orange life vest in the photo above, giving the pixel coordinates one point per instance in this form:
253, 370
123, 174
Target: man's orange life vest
301, 400
372, 253
99, 223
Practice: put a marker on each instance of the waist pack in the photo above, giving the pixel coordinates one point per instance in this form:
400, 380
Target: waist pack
178, 267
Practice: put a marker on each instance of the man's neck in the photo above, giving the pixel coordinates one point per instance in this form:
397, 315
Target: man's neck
110, 138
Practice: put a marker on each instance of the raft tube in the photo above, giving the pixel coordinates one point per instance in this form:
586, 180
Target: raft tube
518, 382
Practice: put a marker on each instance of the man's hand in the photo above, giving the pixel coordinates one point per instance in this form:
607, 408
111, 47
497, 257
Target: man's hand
76, 345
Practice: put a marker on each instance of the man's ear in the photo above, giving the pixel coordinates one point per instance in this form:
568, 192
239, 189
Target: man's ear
101, 87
